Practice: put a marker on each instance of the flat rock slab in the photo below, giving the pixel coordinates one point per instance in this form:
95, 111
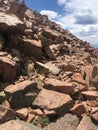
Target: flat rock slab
60, 86
8, 69
90, 95
17, 125
52, 100
68, 122
21, 94
6, 114
87, 124
10, 23
20, 86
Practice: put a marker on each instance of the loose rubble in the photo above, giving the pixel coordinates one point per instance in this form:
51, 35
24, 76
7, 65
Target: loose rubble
48, 77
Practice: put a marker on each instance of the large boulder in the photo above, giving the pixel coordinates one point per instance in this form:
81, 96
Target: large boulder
10, 23
51, 100
21, 94
8, 69
6, 114
87, 124
68, 122
17, 125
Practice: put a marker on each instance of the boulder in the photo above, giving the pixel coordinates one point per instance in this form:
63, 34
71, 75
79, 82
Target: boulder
6, 114
51, 100
60, 86
18, 125
78, 109
8, 69
22, 94
94, 113
90, 95
68, 122
9, 23
31, 48
87, 124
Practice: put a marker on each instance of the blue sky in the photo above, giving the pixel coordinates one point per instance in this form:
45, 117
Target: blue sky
79, 17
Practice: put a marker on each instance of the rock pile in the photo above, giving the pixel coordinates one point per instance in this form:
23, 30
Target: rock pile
48, 77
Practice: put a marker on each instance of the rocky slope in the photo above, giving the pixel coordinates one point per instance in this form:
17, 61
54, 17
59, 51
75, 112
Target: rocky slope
48, 77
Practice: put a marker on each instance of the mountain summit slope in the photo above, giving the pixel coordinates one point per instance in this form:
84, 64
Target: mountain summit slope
48, 76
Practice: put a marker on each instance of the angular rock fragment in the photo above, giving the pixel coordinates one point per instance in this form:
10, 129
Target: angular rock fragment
9, 23
60, 86
90, 95
31, 48
18, 125
87, 124
68, 122
6, 114
22, 94
94, 113
78, 109
51, 100
8, 69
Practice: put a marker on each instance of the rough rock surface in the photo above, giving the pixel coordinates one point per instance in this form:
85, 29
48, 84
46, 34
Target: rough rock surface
17, 125
68, 122
87, 124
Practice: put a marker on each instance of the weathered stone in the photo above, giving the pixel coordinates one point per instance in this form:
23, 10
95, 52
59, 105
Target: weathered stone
22, 113
8, 69
87, 124
50, 34
77, 77
78, 109
18, 125
60, 86
94, 113
90, 95
68, 122
52, 68
42, 68
67, 67
29, 14
51, 100
24, 91
31, 48
6, 114
9, 23
49, 52
36, 112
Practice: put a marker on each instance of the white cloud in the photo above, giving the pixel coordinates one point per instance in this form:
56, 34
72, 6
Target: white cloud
80, 17
50, 14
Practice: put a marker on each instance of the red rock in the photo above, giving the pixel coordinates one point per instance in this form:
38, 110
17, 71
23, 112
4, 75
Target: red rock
18, 125
67, 122
22, 113
8, 69
30, 117
36, 112
6, 114
51, 100
67, 67
78, 109
60, 86
31, 48
46, 112
90, 95
19, 86
77, 77
22, 94
10, 23
94, 113
87, 124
